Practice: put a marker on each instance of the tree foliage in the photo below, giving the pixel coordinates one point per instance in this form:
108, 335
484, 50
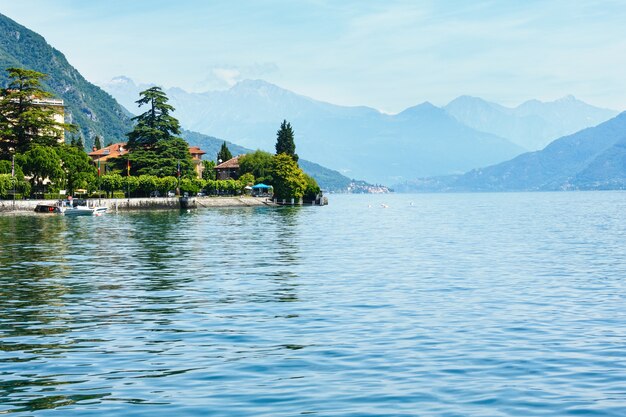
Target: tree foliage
78, 170
259, 164
160, 160
153, 148
312, 188
156, 124
42, 163
97, 142
224, 154
246, 179
288, 179
6, 168
208, 170
285, 141
24, 121
111, 183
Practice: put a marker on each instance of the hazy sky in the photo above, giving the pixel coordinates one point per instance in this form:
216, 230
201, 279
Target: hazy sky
387, 54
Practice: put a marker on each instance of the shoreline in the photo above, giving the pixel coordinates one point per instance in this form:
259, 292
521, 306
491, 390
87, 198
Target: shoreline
8, 207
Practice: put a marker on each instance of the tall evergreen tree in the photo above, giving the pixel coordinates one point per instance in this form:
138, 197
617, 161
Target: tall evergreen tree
284, 141
153, 147
97, 142
24, 121
156, 123
80, 143
224, 153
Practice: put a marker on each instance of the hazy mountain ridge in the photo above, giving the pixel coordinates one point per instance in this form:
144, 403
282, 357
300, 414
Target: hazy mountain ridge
592, 159
361, 142
533, 124
95, 111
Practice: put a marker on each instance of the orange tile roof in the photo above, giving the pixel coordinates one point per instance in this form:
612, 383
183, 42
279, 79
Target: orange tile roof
194, 150
111, 151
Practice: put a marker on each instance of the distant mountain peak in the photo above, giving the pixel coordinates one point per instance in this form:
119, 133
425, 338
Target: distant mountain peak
121, 80
467, 99
255, 85
567, 99
425, 107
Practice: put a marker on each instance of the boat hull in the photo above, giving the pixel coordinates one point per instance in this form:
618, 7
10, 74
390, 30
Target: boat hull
84, 211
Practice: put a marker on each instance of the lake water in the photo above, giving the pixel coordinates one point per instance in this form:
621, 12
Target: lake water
438, 305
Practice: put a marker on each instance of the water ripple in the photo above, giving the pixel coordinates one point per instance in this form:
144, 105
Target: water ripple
457, 305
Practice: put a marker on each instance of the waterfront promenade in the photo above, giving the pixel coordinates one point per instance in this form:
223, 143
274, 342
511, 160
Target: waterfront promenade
126, 204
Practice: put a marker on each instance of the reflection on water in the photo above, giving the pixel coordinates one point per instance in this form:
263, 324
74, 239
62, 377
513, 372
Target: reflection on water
488, 304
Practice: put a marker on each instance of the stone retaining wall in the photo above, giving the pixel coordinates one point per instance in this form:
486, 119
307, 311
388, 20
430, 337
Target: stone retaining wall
124, 204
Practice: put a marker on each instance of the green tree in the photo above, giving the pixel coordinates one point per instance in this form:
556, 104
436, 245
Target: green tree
288, 179
191, 186
156, 123
224, 154
147, 184
18, 183
97, 142
259, 164
78, 142
130, 185
111, 183
161, 160
153, 148
208, 170
312, 188
166, 184
246, 179
285, 142
7, 183
6, 168
42, 163
77, 167
24, 121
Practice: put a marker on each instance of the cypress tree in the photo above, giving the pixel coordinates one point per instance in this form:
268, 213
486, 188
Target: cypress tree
97, 143
284, 141
224, 153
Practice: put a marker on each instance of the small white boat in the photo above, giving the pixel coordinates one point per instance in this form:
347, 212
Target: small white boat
84, 211
69, 208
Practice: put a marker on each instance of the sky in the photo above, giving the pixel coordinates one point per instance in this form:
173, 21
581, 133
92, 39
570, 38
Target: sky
386, 54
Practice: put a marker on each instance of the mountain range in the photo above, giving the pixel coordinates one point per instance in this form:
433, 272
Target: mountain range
94, 110
592, 159
533, 124
362, 142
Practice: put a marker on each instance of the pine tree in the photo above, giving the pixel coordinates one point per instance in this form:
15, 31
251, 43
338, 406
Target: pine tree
24, 121
284, 141
156, 123
224, 154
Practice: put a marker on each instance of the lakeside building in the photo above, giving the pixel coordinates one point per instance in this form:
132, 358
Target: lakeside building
119, 149
55, 104
228, 169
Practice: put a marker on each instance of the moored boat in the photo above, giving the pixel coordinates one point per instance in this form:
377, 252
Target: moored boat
71, 208
83, 211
